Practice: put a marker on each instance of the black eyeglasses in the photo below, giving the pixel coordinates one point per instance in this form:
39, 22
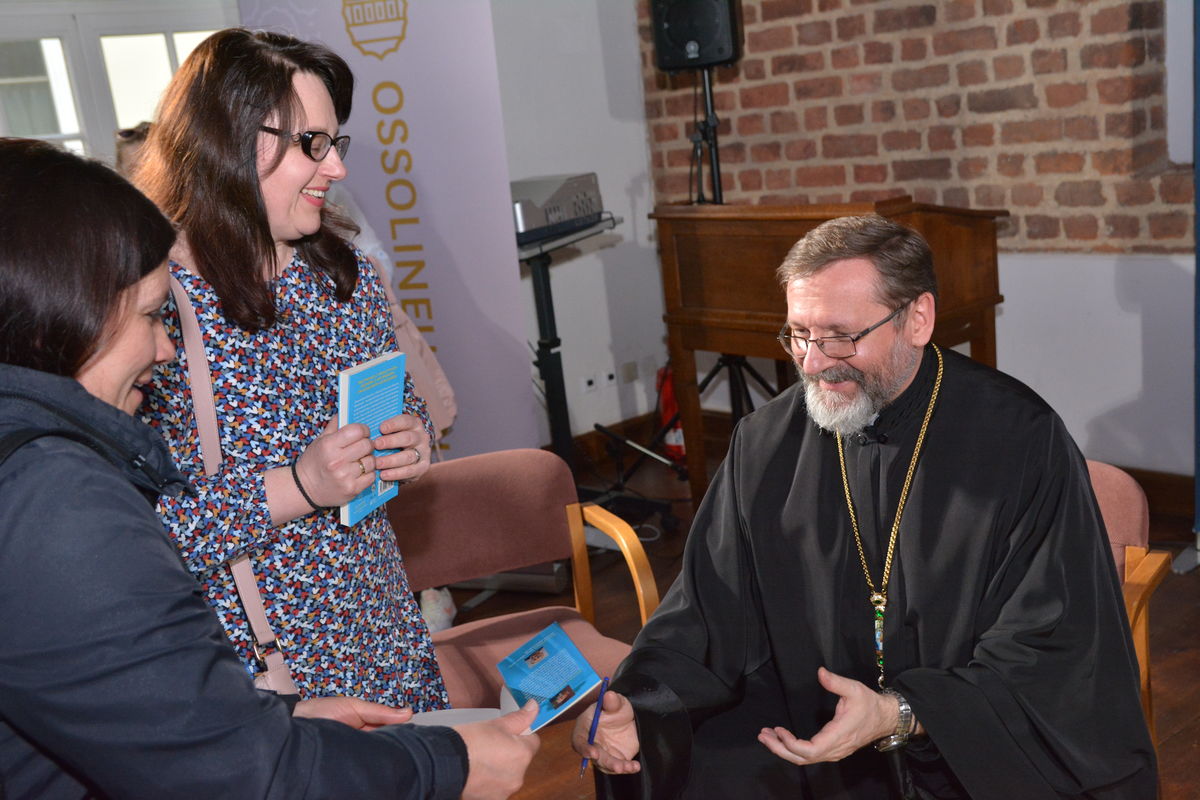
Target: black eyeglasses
832, 346
315, 144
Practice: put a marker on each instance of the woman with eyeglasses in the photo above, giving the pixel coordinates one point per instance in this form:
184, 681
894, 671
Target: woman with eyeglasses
116, 681
245, 145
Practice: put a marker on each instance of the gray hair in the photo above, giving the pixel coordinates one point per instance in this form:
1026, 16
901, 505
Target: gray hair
901, 256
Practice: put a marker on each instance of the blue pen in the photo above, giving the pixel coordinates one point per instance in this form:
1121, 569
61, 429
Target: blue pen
595, 722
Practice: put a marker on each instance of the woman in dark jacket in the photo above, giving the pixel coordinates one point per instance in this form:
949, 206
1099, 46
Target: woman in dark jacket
115, 677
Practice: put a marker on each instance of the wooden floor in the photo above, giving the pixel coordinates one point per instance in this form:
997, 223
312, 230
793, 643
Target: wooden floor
1175, 641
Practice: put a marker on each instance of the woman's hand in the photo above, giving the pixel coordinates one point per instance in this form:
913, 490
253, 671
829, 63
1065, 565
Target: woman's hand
499, 752
338, 464
406, 433
352, 711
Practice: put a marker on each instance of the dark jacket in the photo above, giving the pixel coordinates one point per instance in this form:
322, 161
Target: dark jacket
115, 677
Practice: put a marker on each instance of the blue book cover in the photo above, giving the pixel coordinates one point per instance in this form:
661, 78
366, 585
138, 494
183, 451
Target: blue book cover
369, 394
549, 669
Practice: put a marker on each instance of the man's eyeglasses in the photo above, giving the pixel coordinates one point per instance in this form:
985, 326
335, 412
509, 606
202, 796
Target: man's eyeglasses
832, 346
315, 144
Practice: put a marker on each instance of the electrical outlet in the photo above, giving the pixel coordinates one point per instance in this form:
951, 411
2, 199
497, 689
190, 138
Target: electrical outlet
609, 378
588, 384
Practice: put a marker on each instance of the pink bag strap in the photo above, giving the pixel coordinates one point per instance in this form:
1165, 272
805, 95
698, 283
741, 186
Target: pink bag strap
274, 674
266, 645
203, 406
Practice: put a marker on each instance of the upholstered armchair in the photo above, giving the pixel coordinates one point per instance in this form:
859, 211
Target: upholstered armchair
480, 515
1127, 517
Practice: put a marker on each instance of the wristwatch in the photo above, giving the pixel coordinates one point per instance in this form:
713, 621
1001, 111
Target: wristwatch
904, 725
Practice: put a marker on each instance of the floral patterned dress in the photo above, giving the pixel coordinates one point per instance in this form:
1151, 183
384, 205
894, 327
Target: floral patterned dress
337, 597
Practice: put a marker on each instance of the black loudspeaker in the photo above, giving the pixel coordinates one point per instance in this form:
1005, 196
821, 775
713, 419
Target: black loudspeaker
690, 34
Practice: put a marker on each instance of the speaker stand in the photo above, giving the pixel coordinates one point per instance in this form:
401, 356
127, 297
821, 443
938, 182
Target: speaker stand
704, 136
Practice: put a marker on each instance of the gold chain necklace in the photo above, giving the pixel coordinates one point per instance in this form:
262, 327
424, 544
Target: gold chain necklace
878, 597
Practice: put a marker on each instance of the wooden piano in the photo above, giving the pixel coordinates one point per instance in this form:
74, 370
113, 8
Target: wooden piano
718, 266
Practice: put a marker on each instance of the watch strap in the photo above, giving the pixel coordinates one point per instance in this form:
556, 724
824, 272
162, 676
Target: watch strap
905, 724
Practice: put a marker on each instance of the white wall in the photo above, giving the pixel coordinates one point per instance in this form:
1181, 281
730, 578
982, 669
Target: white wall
1180, 63
1107, 341
571, 95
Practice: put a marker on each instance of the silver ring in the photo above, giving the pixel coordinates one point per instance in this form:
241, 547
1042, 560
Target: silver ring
418, 452
362, 470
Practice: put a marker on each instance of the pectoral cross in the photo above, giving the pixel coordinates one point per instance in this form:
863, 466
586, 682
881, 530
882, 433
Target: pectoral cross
879, 603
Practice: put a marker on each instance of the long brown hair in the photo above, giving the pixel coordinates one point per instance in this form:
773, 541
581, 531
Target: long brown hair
199, 164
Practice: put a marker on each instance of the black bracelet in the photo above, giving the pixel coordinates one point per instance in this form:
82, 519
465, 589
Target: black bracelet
304, 494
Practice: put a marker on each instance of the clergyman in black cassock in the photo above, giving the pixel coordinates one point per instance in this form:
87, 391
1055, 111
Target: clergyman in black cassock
1004, 630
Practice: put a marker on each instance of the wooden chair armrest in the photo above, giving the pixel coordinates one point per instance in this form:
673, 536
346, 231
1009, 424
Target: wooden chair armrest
1144, 571
620, 531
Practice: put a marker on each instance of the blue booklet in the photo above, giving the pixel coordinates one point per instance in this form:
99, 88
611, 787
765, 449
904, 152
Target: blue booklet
549, 669
369, 394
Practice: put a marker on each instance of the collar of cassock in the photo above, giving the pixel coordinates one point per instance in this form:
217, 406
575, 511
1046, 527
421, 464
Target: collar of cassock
907, 409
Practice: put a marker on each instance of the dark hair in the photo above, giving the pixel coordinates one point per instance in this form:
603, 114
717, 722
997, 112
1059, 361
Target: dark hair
199, 164
73, 236
901, 256
129, 143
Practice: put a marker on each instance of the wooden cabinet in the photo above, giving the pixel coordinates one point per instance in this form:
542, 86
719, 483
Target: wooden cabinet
718, 266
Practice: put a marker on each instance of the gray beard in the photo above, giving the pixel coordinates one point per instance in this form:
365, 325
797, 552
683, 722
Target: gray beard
834, 413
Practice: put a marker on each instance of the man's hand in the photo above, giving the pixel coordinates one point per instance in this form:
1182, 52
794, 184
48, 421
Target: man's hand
498, 753
352, 711
862, 716
616, 744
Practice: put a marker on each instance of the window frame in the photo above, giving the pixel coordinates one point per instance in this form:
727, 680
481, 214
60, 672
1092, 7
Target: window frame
80, 26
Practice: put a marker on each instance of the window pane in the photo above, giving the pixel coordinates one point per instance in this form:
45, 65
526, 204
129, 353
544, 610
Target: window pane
186, 42
60, 85
35, 95
138, 70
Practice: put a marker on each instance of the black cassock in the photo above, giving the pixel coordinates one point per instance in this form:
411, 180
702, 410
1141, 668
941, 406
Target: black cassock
1005, 627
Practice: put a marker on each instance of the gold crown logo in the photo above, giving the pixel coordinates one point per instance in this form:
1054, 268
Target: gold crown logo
376, 27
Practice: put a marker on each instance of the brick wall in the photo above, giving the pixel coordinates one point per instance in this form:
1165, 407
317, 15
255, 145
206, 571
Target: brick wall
1052, 109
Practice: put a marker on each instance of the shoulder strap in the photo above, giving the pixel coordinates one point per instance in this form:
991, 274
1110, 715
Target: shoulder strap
11, 442
266, 647
200, 379
110, 448
273, 672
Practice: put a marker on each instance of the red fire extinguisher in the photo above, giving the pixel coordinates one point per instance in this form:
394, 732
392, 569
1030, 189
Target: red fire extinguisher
668, 409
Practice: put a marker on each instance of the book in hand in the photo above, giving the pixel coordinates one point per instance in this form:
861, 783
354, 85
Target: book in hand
369, 394
549, 669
